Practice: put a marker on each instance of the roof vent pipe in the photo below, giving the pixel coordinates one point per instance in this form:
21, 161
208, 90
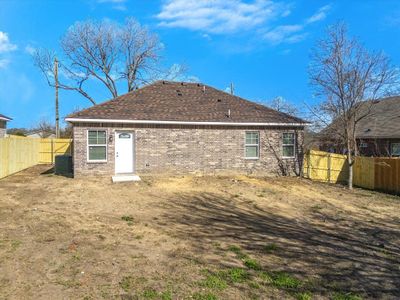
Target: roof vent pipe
204, 88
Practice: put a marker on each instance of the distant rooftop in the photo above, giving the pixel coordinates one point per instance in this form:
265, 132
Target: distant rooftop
4, 118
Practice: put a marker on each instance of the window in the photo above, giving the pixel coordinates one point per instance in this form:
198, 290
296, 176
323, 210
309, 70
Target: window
288, 144
97, 145
363, 145
395, 149
252, 145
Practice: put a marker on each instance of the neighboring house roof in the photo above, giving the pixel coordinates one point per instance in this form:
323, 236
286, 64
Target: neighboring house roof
40, 134
382, 121
4, 118
175, 102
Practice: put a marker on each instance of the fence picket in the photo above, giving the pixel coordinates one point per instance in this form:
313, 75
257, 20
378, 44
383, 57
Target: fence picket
375, 173
19, 153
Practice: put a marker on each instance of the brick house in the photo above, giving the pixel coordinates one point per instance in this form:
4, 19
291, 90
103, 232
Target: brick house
171, 127
3, 125
378, 134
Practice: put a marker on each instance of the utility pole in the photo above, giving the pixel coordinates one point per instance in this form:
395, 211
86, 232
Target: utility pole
232, 90
56, 106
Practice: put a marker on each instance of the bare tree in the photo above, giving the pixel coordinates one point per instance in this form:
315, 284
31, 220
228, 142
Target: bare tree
281, 104
108, 53
345, 74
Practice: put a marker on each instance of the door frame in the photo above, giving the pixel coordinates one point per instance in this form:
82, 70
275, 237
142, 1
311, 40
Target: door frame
133, 150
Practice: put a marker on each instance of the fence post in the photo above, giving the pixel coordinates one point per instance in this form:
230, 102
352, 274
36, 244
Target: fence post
52, 151
329, 167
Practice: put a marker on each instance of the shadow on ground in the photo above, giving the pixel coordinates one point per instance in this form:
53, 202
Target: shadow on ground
347, 254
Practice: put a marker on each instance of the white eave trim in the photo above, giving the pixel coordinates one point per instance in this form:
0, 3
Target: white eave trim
5, 119
181, 122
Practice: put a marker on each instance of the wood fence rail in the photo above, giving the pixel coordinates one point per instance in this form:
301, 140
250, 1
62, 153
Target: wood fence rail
18, 153
49, 148
375, 173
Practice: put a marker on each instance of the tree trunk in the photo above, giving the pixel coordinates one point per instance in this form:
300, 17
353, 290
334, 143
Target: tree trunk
350, 179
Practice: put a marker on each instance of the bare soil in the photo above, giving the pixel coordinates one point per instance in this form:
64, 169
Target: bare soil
195, 237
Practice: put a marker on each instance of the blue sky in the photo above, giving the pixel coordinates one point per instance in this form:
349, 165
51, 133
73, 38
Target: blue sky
262, 46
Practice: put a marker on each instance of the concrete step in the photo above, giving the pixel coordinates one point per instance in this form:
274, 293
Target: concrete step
125, 178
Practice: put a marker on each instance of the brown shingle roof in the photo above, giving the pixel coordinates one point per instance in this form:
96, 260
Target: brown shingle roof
384, 120
184, 102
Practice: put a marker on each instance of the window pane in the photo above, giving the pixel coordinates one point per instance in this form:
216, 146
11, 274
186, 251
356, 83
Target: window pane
288, 138
251, 151
251, 138
396, 149
92, 137
97, 137
101, 137
97, 153
288, 151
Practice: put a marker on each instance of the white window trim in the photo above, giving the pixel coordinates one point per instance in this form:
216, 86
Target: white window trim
391, 149
258, 145
294, 146
100, 145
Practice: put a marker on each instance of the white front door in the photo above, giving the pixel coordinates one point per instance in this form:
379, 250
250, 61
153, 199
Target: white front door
123, 152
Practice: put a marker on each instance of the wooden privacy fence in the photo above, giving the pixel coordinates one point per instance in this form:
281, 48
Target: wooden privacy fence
49, 148
19, 153
373, 173
325, 167
378, 173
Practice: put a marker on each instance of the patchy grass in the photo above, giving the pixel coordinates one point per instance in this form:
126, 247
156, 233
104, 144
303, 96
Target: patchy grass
346, 296
252, 263
303, 296
15, 245
270, 248
214, 282
128, 220
80, 243
204, 296
129, 283
166, 295
285, 280
150, 294
235, 275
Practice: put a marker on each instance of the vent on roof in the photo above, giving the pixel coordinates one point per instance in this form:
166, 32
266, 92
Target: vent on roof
179, 92
219, 100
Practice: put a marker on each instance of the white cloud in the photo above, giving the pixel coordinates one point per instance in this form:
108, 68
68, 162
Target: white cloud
30, 49
319, 15
219, 16
4, 63
291, 34
5, 44
285, 33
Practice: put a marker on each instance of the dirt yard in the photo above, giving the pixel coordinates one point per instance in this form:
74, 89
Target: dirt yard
195, 237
